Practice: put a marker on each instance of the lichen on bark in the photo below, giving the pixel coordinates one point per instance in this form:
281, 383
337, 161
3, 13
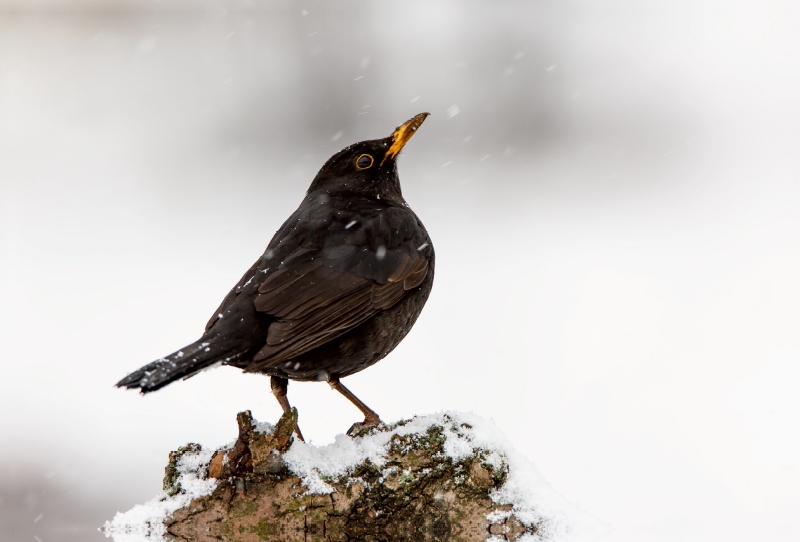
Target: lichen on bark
417, 493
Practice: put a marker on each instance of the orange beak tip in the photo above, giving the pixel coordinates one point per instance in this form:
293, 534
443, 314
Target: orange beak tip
403, 133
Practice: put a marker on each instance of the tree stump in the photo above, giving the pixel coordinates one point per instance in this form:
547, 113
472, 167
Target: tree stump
426, 479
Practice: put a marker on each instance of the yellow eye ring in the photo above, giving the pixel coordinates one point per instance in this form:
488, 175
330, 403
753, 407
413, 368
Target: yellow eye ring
364, 161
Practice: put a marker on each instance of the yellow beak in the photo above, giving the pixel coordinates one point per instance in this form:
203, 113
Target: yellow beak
402, 134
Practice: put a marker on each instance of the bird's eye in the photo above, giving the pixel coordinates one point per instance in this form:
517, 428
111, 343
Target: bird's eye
364, 161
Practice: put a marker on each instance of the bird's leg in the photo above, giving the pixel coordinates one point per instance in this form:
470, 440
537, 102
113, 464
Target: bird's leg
279, 386
370, 416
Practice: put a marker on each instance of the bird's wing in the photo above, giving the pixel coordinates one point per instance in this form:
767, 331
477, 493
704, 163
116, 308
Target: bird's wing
233, 294
319, 295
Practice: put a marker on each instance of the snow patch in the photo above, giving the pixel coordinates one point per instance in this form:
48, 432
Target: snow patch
145, 522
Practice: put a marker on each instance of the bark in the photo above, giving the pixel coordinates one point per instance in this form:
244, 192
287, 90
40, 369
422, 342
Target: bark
419, 494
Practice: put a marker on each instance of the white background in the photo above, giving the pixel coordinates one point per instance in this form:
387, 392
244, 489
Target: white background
611, 187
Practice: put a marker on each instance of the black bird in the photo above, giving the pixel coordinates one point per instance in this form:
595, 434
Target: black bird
339, 286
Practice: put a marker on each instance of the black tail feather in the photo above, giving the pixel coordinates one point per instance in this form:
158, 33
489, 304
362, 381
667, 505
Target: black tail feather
184, 363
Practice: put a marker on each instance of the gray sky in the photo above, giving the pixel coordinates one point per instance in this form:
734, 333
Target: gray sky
612, 190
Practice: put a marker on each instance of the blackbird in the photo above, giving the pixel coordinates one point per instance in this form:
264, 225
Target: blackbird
339, 286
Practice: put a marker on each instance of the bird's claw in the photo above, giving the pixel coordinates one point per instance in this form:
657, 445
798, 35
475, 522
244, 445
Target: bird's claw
357, 428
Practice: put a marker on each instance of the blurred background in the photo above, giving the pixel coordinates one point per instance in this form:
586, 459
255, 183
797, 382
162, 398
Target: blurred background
613, 189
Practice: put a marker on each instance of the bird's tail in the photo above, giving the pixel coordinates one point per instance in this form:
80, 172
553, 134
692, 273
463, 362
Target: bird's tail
184, 363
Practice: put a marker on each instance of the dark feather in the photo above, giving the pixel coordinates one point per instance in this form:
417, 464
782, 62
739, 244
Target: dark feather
319, 295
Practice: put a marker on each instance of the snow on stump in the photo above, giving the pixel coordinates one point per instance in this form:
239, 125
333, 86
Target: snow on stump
443, 477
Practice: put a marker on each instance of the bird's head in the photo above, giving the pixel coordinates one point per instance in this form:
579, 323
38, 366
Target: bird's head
369, 167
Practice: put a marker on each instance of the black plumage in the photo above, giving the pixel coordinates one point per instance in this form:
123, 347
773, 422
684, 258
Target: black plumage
339, 286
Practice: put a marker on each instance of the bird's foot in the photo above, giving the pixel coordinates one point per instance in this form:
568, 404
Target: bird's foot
358, 428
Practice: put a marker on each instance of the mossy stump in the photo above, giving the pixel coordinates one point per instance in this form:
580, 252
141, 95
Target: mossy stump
418, 494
